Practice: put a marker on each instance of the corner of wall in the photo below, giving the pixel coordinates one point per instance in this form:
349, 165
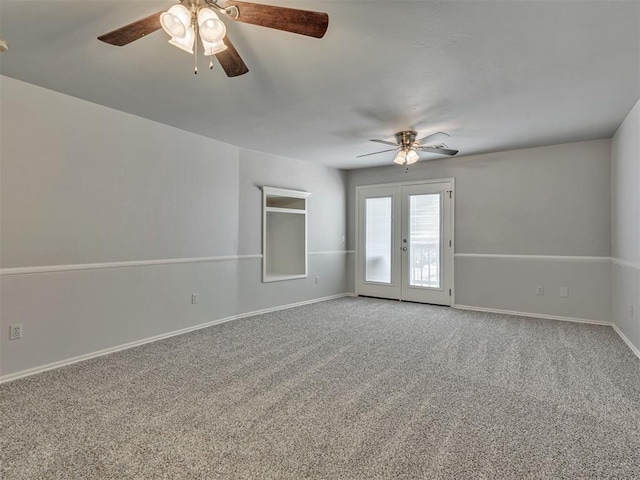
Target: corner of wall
625, 229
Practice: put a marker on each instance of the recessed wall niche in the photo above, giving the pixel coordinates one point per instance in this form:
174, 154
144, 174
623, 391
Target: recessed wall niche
284, 234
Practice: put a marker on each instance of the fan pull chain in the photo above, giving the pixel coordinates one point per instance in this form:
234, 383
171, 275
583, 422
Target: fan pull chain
195, 56
211, 62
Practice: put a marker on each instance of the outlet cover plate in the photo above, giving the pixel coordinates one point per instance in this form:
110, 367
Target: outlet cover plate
15, 331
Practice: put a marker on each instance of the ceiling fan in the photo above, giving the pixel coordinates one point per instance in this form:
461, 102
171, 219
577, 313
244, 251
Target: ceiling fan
408, 147
185, 20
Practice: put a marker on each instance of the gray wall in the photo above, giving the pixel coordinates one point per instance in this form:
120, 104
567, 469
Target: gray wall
82, 184
523, 218
626, 227
326, 226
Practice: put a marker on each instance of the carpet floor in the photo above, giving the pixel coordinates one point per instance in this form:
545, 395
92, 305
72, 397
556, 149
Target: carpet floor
353, 388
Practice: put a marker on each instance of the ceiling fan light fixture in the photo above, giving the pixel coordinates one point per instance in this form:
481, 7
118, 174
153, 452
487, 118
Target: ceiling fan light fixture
176, 21
212, 29
401, 158
409, 148
412, 157
186, 42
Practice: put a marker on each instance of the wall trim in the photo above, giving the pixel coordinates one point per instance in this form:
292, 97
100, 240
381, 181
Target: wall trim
552, 258
141, 263
136, 263
633, 348
87, 356
533, 315
624, 263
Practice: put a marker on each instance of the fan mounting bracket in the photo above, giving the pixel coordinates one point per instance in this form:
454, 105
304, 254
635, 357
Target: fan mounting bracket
231, 11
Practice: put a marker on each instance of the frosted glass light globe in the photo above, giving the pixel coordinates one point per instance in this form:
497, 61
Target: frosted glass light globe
213, 48
401, 157
185, 43
412, 157
212, 29
176, 20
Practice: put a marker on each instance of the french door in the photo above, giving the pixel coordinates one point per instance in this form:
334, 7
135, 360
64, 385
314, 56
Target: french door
405, 241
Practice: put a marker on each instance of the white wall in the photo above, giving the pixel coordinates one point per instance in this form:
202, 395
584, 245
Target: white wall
625, 226
82, 185
523, 218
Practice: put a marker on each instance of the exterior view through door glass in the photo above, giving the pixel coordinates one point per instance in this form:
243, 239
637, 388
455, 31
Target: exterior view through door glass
424, 241
378, 240
405, 247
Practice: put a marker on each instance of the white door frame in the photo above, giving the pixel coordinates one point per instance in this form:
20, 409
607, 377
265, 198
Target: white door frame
449, 252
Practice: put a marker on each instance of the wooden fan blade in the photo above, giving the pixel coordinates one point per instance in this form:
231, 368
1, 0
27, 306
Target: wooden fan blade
433, 136
302, 22
375, 153
134, 31
230, 60
443, 151
384, 141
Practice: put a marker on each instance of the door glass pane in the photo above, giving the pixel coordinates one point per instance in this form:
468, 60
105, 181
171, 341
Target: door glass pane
424, 241
378, 240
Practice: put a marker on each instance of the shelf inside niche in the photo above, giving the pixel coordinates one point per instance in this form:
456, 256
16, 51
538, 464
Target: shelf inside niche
286, 210
289, 203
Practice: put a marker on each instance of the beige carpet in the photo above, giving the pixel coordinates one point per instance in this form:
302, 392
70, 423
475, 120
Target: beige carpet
353, 388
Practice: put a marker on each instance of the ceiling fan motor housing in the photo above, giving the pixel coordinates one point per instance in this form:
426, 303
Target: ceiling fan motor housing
406, 138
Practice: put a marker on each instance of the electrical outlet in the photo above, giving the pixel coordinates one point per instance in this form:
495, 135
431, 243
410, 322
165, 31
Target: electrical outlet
539, 290
631, 311
15, 331
194, 298
564, 292
317, 279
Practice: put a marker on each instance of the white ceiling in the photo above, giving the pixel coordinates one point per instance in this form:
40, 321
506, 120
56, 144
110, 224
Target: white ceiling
495, 75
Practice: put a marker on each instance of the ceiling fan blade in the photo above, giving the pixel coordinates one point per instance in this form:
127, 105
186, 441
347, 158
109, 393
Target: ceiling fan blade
384, 141
134, 31
230, 60
375, 153
302, 22
442, 151
433, 136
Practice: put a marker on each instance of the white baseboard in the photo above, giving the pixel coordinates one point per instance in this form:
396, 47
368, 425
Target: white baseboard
285, 307
533, 315
137, 343
633, 348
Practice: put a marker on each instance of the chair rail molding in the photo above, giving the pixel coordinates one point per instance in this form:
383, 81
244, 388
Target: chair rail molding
135, 263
